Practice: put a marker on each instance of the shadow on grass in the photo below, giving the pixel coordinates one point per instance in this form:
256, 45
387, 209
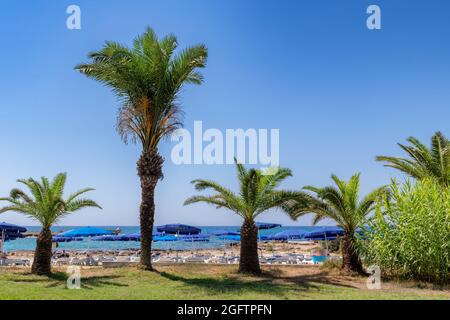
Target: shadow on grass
232, 285
322, 277
272, 281
60, 279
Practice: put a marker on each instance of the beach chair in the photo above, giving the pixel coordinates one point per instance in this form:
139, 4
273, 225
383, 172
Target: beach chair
135, 259
162, 259
197, 259
76, 262
233, 260
263, 260
123, 259
61, 261
14, 262
90, 262
106, 259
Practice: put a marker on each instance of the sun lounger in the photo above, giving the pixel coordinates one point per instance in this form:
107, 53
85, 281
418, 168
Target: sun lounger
197, 259
162, 259
102, 259
61, 261
14, 262
219, 259
233, 260
84, 262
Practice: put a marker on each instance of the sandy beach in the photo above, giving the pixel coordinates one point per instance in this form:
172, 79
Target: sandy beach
265, 249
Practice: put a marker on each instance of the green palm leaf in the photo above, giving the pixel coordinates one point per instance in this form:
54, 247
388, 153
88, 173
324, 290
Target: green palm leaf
423, 162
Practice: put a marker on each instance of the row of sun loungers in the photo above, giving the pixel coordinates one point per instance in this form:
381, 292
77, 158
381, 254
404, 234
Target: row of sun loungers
122, 261
14, 262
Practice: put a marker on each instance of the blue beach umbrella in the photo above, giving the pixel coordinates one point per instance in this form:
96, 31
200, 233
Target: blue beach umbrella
11, 232
328, 233
266, 226
238, 238
231, 238
195, 238
11, 228
178, 229
165, 238
121, 237
59, 239
221, 233
86, 232
288, 235
131, 237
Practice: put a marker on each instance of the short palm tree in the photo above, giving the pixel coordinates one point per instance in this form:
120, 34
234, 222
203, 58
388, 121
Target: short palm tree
424, 162
46, 205
257, 195
340, 203
147, 79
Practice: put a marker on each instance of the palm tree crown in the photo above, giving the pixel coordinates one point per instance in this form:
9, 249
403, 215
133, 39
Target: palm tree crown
424, 162
257, 193
340, 203
147, 79
46, 203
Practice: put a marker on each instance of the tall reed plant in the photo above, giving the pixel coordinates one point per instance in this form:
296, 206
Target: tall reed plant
409, 234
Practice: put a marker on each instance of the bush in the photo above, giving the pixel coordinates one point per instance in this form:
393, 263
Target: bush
332, 264
410, 233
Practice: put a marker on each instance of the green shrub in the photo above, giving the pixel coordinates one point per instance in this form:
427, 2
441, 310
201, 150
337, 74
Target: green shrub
332, 264
409, 236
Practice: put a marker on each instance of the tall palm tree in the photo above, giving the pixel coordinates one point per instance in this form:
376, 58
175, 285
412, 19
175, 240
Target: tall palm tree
46, 205
257, 195
340, 203
147, 79
424, 162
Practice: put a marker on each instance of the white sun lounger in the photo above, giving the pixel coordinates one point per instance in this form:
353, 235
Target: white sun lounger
14, 262
61, 261
197, 259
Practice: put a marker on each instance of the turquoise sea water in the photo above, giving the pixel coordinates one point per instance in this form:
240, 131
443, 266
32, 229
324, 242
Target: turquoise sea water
215, 242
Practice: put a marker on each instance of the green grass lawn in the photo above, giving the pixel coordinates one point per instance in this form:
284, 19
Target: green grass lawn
203, 282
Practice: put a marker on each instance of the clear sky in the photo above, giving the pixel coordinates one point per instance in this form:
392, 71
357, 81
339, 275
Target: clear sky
339, 93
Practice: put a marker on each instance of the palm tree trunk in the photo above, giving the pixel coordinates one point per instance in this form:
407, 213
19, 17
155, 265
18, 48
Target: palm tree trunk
150, 171
350, 256
43, 253
249, 260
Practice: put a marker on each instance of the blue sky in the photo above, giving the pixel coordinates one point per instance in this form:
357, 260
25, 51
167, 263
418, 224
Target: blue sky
339, 93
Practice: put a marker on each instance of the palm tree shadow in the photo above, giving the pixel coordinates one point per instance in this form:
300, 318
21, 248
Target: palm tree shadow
58, 279
321, 277
233, 285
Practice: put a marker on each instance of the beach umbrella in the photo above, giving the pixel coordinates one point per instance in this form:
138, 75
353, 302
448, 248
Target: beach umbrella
165, 238
238, 237
85, 232
11, 228
131, 237
288, 235
194, 238
266, 226
121, 237
231, 238
328, 233
59, 239
10, 232
221, 233
178, 229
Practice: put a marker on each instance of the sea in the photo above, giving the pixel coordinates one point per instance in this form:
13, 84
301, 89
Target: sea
88, 244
